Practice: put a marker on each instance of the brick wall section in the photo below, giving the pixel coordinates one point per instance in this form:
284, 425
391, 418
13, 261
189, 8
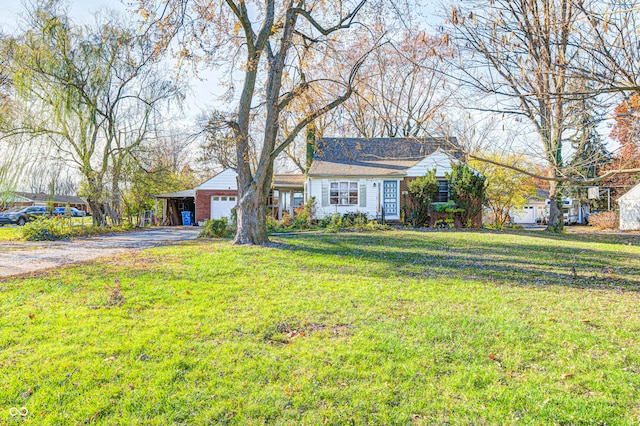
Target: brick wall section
203, 202
405, 202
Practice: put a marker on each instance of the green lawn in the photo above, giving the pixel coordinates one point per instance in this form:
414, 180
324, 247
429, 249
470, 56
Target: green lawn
384, 328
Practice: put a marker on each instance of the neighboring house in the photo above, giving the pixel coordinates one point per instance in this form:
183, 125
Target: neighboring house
630, 209
12, 200
370, 175
216, 198
26, 199
535, 211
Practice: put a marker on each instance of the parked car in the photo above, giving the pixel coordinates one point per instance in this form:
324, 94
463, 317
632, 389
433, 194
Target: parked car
20, 217
61, 211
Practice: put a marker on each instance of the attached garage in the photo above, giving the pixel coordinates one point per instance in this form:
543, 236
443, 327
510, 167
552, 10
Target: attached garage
216, 197
630, 210
221, 206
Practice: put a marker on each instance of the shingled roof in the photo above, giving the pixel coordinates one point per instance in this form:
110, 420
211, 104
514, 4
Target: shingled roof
375, 156
58, 199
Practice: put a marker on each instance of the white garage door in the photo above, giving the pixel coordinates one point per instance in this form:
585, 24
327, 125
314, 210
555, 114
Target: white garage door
526, 215
221, 206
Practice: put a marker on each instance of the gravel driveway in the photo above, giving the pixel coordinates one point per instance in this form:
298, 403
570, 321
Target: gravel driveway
24, 257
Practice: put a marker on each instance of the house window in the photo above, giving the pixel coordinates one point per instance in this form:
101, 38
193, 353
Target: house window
343, 193
443, 191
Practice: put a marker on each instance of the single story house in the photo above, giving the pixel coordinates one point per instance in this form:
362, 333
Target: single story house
216, 198
370, 175
630, 209
27, 199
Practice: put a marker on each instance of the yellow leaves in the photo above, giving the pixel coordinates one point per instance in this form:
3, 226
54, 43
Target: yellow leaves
454, 16
236, 28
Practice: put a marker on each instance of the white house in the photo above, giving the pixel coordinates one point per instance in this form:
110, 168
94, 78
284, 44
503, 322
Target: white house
630, 209
350, 175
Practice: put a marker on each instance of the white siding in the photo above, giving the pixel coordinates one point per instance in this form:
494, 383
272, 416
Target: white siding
438, 160
225, 181
630, 210
373, 194
629, 214
533, 212
632, 194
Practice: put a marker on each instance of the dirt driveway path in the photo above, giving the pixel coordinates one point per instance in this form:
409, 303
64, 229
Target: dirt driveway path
24, 257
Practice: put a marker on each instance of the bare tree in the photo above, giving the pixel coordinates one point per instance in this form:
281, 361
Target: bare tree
611, 39
522, 52
404, 90
91, 93
279, 43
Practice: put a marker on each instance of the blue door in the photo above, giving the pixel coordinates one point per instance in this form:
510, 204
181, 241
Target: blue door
390, 194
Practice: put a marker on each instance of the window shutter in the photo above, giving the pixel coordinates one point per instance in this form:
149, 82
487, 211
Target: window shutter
325, 195
363, 195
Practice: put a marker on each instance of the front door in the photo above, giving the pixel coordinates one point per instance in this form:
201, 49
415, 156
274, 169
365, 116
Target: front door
390, 194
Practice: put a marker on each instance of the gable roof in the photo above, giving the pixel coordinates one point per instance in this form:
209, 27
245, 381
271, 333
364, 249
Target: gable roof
41, 197
225, 180
375, 156
632, 194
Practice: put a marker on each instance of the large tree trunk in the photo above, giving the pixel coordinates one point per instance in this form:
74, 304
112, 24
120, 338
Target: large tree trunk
252, 214
556, 219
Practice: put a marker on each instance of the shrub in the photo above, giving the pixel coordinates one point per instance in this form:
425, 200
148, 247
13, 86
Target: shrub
46, 229
286, 220
604, 220
273, 225
355, 221
334, 223
215, 228
304, 214
468, 192
300, 218
422, 191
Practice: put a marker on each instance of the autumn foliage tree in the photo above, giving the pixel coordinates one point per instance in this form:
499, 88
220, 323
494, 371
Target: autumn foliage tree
506, 189
277, 52
626, 131
522, 52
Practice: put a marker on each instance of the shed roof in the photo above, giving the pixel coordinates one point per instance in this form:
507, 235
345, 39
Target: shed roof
290, 179
179, 194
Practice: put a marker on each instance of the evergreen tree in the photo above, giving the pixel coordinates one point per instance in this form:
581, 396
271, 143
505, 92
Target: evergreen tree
591, 154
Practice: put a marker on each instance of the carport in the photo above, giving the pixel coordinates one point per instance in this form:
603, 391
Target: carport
169, 206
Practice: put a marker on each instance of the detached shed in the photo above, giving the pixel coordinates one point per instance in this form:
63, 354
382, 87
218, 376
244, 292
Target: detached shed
630, 210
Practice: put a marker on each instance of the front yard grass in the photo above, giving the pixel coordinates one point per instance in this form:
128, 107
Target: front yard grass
383, 328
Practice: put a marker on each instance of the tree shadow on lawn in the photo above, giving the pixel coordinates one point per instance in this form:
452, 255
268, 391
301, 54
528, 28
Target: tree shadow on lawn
517, 258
